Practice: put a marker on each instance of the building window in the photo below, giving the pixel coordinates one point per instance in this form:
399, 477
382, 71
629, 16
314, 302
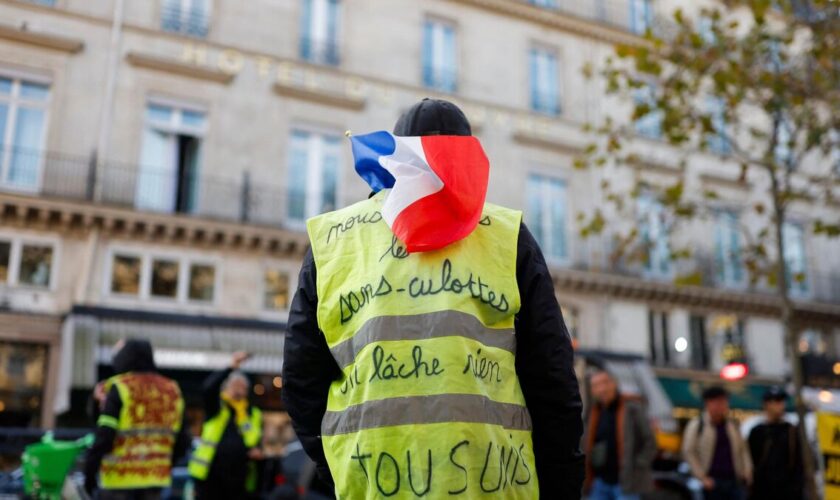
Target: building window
170, 159
439, 56
728, 249
546, 215
202, 282
276, 295
727, 340
35, 265
816, 342
795, 258
641, 16
658, 343
319, 31
717, 141
650, 124
571, 316
125, 275
545, 86
653, 231
187, 17
782, 151
698, 342
164, 278
313, 174
5, 260
23, 116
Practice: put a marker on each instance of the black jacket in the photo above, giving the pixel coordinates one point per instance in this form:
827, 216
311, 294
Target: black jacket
777, 462
135, 356
229, 469
544, 366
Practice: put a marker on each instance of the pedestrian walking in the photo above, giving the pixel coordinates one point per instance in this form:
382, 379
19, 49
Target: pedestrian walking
140, 431
775, 452
224, 464
715, 451
620, 446
429, 356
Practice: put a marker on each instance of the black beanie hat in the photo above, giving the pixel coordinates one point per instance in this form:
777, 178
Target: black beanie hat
433, 117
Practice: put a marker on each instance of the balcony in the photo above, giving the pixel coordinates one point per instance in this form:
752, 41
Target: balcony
319, 51
635, 16
58, 176
698, 272
440, 78
191, 22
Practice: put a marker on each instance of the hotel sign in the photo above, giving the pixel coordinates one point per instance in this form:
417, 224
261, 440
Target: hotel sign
335, 83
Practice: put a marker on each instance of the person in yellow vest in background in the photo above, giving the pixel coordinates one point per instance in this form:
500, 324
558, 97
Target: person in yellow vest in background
444, 372
140, 431
223, 465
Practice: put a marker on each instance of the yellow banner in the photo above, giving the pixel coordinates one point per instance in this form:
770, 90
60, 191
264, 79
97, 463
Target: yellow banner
828, 431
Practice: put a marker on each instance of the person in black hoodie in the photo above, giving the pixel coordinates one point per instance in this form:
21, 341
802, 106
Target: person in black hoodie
223, 466
774, 446
153, 421
544, 364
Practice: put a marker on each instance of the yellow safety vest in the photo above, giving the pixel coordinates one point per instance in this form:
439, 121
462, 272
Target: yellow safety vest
429, 403
211, 433
149, 421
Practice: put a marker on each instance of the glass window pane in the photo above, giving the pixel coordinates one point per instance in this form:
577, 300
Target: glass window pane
5, 86
298, 159
164, 278
202, 282
558, 219
159, 114
125, 275
4, 116
34, 91
192, 118
276, 290
35, 265
5, 253
26, 155
534, 215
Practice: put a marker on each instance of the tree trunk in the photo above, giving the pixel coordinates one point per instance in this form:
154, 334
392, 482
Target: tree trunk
791, 340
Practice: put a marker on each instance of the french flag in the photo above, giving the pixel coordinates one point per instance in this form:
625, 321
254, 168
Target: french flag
438, 185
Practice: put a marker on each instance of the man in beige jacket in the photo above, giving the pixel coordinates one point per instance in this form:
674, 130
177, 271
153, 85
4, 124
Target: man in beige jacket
713, 447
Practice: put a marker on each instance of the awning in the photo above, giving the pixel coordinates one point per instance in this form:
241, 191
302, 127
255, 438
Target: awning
180, 341
687, 393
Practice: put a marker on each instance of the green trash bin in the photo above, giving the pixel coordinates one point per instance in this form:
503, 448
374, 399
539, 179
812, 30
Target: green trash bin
46, 465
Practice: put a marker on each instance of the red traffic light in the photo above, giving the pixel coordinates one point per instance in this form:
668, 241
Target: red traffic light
734, 371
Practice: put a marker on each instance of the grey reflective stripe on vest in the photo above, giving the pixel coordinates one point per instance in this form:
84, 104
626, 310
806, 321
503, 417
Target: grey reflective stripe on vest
419, 327
425, 410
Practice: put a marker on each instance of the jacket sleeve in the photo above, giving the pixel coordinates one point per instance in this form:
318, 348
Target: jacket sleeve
544, 365
308, 368
746, 458
210, 392
647, 442
690, 449
106, 431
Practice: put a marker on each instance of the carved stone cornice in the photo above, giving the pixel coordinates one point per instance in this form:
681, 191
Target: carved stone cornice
42, 39
320, 96
188, 230
556, 19
177, 67
692, 297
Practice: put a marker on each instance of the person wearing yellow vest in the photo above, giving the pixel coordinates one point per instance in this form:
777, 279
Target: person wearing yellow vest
223, 464
440, 374
140, 431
